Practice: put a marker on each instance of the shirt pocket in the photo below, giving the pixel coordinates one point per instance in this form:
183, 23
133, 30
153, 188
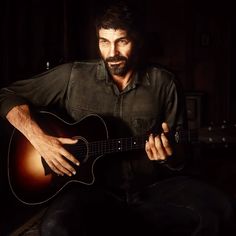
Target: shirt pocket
143, 125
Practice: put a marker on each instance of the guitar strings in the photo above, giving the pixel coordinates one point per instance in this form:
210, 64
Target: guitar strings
108, 146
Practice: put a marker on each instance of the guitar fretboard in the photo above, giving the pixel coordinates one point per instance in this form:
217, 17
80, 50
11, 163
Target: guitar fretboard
117, 145
131, 143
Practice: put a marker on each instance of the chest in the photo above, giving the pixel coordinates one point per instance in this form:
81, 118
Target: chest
139, 108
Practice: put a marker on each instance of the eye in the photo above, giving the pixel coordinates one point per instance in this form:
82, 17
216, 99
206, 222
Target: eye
103, 42
123, 42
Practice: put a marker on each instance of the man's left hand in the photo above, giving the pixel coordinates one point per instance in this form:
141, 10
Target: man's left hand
158, 147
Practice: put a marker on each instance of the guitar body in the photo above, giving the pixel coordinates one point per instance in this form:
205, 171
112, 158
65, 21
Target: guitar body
31, 180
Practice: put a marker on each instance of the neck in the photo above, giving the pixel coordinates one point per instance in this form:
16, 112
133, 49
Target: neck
122, 81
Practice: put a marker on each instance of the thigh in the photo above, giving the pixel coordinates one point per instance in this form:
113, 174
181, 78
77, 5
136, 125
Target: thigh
152, 212
73, 211
185, 204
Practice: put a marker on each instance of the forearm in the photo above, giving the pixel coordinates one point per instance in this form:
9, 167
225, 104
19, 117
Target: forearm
20, 117
49, 147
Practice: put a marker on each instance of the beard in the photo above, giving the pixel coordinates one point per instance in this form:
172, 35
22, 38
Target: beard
121, 68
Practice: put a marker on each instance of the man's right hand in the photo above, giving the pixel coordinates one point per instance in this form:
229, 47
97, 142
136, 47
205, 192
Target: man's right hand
52, 151
50, 148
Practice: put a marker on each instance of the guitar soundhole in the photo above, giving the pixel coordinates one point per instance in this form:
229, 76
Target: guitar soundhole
80, 149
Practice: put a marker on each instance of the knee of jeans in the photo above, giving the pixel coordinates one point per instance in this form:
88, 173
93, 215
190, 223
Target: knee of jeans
51, 227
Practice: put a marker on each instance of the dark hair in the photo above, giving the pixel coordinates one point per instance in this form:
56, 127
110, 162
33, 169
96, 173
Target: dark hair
120, 15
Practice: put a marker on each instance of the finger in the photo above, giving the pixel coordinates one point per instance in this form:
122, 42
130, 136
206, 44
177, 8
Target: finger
69, 156
54, 168
166, 145
63, 166
159, 149
68, 140
153, 149
65, 153
148, 151
165, 127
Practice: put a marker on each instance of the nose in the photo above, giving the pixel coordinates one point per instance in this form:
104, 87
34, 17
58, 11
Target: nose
113, 50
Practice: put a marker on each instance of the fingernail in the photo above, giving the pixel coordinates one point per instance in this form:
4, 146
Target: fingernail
74, 172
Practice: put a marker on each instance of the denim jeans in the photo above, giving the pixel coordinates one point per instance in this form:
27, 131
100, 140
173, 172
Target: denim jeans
175, 206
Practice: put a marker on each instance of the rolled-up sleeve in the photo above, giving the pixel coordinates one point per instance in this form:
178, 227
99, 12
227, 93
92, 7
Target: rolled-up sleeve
45, 89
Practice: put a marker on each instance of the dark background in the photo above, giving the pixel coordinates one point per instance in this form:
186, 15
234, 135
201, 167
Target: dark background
195, 39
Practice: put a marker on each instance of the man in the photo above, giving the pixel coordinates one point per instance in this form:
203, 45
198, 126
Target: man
134, 192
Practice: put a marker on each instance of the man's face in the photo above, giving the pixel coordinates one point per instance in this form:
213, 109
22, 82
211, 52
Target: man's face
116, 50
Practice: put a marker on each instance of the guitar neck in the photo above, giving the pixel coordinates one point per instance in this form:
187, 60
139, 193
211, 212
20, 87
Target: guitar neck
190, 136
135, 143
117, 145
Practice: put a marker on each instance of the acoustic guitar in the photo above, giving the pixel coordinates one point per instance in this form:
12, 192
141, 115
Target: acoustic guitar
31, 180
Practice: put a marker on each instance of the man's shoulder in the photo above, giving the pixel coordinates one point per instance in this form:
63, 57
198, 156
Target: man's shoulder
157, 72
77, 64
159, 69
86, 63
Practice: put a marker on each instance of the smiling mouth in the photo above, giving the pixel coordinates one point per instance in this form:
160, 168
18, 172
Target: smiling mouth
117, 63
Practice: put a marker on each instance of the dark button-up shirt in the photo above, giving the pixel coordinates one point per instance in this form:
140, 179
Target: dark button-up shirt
82, 88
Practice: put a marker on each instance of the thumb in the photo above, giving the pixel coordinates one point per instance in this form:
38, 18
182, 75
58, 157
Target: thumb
165, 127
68, 140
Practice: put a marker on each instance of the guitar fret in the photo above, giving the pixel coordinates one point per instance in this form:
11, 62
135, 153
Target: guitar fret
134, 143
116, 145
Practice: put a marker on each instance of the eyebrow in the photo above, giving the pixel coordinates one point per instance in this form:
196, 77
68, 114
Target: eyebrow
124, 37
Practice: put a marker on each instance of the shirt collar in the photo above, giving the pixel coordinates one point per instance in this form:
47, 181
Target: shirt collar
102, 73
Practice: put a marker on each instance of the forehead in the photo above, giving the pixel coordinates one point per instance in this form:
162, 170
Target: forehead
112, 34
